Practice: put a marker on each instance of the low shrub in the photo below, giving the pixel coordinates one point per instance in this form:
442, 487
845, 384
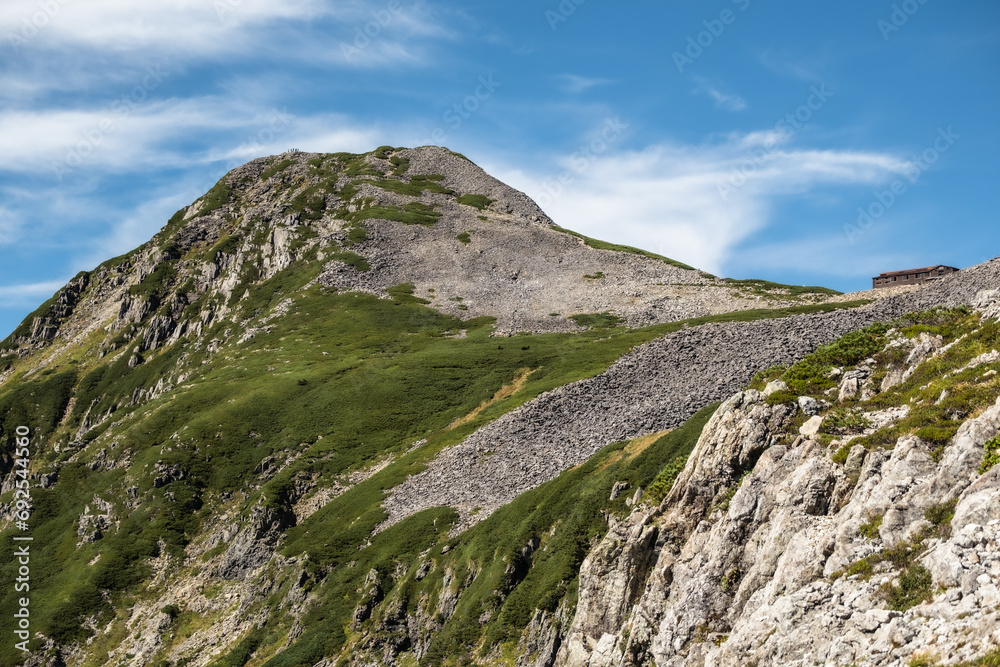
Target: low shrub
991, 455
603, 320
477, 201
914, 587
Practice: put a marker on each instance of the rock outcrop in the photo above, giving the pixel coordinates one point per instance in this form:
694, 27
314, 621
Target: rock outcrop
768, 552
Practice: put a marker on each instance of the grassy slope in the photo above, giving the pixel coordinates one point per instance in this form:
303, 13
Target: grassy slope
390, 376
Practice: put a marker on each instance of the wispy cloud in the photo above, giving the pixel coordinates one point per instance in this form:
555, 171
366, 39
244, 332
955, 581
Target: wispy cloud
9, 227
727, 101
117, 137
197, 27
666, 198
172, 133
572, 83
349, 33
18, 296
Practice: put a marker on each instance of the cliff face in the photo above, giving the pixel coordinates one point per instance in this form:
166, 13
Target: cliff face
804, 531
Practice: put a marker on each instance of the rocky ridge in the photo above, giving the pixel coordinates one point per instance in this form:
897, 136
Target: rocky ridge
656, 387
767, 551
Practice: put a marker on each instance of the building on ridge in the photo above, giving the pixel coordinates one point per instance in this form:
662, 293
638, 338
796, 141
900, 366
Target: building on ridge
912, 276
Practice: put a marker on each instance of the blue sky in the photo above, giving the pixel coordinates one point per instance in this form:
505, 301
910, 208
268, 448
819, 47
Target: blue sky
802, 142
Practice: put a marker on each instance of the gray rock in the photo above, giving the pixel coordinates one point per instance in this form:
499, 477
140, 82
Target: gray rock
774, 386
810, 406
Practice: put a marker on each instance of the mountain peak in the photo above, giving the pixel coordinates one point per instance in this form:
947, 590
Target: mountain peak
425, 222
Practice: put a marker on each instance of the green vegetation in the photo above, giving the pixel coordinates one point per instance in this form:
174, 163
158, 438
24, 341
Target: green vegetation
40, 403
225, 246
915, 586
220, 195
356, 234
403, 294
840, 421
664, 481
464, 237
595, 276
940, 517
414, 213
870, 528
939, 394
173, 225
991, 455
310, 204
276, 169
991, 659
482, 202
356, 165
351, 259
400, 165
767, 289
414, 188
241, 654
563, 517
384, 152
730, 580
604, 245
156, 284
603, 320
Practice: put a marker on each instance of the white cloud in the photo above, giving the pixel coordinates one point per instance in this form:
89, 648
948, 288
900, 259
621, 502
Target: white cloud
170, 133
571, 83
355, 33
14, 296
133, 228
683, 201
727, 101
196, 26
9, 227
124, 135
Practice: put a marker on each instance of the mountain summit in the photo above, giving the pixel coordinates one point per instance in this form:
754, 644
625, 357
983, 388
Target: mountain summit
429, 218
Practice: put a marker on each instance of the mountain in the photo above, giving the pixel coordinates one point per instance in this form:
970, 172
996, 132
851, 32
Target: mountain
379, 410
